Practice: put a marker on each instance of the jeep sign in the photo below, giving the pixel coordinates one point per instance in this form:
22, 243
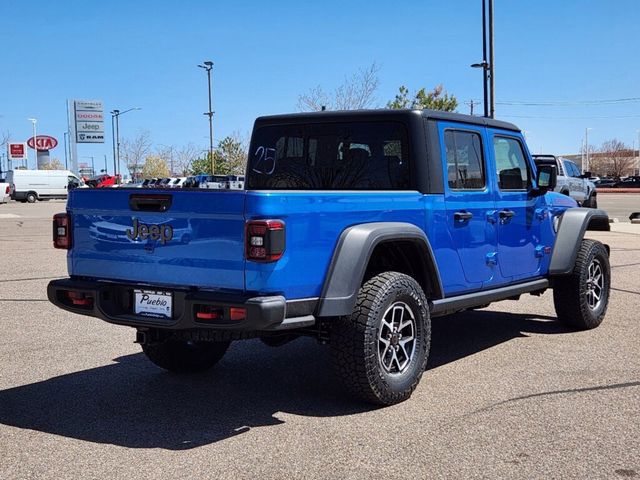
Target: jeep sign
42, 143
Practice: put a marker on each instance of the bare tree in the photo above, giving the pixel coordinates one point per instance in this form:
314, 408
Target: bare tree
168, 154
134, 150
618, 158
355, 92
5, 137
184, 157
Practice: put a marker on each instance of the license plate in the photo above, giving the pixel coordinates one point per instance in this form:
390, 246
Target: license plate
153, 304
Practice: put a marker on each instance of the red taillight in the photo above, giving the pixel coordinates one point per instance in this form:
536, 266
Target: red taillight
8, 190
79, 299
62, 231
206, 312
237, 314
264, 240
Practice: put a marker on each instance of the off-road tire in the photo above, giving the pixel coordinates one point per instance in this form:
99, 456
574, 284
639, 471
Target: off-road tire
355, 341
570, 292
31, 197
184, 356
590, 202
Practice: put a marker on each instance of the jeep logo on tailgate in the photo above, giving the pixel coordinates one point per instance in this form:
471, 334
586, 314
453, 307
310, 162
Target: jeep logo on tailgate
141, 231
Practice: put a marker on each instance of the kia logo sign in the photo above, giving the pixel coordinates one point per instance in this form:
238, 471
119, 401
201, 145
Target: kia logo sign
42, 143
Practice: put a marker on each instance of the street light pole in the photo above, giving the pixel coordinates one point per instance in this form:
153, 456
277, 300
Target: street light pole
487, 64
484, 58
35, 146
492, 86
208, 66
116, 151
64, 136
585, 167
637, 169
113, 140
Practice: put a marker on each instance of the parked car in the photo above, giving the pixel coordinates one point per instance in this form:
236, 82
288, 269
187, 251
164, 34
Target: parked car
5, 192
103, 180
177, 182
629, 182
571, 181
32, 185
357, 231
605, 183
235, 182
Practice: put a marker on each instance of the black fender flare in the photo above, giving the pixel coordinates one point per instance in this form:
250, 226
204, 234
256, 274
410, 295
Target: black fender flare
351, 257
573, 223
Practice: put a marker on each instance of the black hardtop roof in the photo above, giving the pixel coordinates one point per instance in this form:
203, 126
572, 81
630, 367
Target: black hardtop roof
384, 113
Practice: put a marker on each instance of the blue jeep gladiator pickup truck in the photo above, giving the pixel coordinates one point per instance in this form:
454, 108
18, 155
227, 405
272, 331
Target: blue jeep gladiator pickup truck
355, 227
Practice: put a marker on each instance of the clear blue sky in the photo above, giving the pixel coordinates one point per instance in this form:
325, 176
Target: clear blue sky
144, 53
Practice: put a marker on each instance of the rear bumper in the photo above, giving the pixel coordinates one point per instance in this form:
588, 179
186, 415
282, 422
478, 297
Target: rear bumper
113, 303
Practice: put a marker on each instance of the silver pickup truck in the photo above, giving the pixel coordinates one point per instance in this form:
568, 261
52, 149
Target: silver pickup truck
571, 181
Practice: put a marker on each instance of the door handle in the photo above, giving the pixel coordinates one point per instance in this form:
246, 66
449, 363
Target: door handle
462, 216
505, 215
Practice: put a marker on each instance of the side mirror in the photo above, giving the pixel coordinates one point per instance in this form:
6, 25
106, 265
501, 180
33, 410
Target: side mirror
586, 175
547, 178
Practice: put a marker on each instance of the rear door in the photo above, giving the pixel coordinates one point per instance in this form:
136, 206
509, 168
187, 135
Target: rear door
519, 214
185, 238
469, 201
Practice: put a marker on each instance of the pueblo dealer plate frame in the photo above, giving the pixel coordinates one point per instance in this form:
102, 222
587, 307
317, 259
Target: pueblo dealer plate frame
153, 303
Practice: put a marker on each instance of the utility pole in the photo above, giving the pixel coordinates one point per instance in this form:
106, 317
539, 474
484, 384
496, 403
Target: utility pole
208, 66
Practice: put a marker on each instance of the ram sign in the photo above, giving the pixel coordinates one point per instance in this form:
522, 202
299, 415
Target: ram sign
89, 121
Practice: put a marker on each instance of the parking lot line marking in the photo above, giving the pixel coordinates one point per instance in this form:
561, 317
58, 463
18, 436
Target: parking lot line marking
9, 215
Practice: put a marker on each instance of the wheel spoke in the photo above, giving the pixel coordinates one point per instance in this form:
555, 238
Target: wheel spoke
396, 338
404, 351
405, 340
386, 324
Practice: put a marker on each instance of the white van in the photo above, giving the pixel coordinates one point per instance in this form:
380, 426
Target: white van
32, 185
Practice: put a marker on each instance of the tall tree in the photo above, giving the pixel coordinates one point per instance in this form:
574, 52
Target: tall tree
184, 157
54, 164
155, 167
230, 157
134, 150
355, 92
436, 99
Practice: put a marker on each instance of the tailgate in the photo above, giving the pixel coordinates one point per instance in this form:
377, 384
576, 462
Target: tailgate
186, 238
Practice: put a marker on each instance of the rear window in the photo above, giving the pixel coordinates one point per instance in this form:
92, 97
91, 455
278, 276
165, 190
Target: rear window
330, 156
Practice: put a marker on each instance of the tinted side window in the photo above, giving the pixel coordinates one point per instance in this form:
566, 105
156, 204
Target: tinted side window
465, 161
575, 170
511, 164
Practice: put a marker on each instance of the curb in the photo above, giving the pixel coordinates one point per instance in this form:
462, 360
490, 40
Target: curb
617, 190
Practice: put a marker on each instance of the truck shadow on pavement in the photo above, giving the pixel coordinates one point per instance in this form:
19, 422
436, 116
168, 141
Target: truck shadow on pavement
132, 403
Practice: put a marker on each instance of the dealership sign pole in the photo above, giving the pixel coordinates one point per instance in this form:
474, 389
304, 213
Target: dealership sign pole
85, 126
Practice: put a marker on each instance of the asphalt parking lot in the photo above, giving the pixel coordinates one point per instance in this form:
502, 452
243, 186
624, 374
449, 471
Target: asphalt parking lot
509, 392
